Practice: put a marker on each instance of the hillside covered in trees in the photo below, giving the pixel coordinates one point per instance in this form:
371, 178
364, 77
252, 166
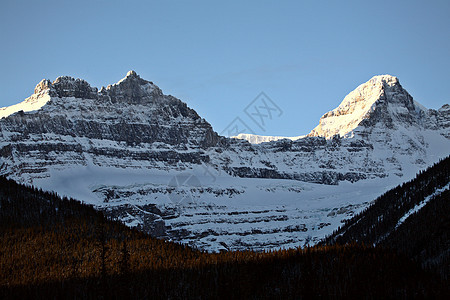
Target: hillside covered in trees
413, 218
53, 248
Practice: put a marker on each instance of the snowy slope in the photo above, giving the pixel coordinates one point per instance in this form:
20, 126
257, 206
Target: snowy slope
149, 160
34, 102
419, 206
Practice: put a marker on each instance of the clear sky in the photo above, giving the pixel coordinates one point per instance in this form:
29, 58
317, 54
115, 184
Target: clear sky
217, 56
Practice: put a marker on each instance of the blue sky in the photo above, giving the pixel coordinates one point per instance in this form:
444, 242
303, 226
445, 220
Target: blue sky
217, 56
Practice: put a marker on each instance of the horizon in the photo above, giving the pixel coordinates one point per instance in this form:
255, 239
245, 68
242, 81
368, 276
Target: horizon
218, 58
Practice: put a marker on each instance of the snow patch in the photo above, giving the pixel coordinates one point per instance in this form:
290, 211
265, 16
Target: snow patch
33, 103
420, 205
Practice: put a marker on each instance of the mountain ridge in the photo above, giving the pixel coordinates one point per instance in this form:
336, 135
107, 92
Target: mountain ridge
129, 150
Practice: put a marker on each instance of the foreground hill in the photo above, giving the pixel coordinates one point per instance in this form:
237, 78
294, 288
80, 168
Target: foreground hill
60, 248
413, 218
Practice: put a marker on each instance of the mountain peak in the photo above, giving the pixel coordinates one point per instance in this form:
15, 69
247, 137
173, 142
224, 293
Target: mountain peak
384, 79
132, 73
131, 76
133, 89
67, 86
381, 99
43, 85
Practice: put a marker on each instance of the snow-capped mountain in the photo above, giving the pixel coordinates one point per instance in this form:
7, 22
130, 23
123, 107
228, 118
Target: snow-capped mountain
377, 105
68, 122
149, 160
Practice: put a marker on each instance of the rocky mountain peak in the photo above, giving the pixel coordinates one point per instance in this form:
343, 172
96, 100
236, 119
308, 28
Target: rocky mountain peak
131, 78
132, 73
384, 80
71, 107
66, 86
440, 119
381, 100
45, 84
134, 90
445, 108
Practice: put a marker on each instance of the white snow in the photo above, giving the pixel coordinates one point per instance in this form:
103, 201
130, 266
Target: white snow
420, 205
260, 205
258, 139
32, 103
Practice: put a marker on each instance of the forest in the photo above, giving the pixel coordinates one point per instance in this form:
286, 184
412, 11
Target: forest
52, 247
424, 236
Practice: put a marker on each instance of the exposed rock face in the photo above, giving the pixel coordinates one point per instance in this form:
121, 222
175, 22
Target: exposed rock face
133, 90
42, 86
309, 159
66, 86
151, 161
76, 120
440, 120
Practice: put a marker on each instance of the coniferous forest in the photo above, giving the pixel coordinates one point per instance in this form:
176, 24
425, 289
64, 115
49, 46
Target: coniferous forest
60, 248
424, 236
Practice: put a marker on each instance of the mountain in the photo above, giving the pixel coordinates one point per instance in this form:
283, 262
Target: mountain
412, 218
380, 102
68, 122
149, 160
